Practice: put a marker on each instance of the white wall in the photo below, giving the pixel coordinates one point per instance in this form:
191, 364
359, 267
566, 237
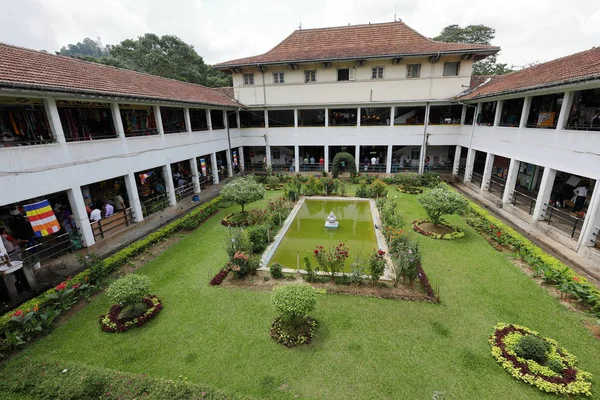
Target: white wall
395, 86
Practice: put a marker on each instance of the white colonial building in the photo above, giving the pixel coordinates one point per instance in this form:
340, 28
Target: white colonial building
82, 134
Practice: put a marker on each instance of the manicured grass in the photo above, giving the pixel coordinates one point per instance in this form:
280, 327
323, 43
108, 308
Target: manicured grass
365, 348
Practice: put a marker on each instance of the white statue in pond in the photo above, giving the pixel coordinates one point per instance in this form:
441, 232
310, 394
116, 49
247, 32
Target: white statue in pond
331, 221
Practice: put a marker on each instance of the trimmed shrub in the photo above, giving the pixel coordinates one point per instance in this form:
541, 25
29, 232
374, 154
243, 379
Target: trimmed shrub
349, 164
276, 270
129, 291
258, 235
442, 201
292, 302
377, 189
534, 348
273, 181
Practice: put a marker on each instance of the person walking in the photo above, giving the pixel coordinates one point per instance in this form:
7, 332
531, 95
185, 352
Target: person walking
581, 194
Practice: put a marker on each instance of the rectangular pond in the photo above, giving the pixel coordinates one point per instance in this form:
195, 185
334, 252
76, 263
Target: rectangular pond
307, 231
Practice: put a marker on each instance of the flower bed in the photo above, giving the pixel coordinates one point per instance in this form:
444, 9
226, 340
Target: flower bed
303, 337
275, 187
455, 234
569, 381
409, 190
226, 221
218, 278
112, 323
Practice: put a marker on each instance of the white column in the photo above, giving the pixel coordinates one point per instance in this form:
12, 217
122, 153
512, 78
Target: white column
268, 155
487, 172
456, 165
209, 120
295, 117
241, 157
195, 174
463, 115
116, 116
188, 120
229, 163
544, 193
169, 186
423, 153
358, 117
511, 180
326, 117
54, 120
525, 112
134, 197
237, 119
158, 117
592, 221
469, 166
266, 119
357, 159
392, 113
297, 158
565, 109
225, 121
2, 248
80, 216
388, 161
326, 157
215, 169
498, 114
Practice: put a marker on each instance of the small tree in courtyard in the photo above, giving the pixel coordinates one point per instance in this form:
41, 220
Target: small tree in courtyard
442, 201
293, 302
243, 191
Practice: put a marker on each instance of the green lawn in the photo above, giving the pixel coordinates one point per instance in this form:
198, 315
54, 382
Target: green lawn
365, 348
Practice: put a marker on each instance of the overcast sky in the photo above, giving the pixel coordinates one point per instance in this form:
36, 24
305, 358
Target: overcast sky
220, 30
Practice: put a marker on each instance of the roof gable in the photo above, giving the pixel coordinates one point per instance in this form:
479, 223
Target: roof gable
357, 41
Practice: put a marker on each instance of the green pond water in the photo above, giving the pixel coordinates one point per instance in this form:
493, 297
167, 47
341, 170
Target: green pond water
308, 231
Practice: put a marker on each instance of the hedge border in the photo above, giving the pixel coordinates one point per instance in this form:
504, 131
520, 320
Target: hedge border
120, 258
110, 322
456, 234
401, 189
532, 254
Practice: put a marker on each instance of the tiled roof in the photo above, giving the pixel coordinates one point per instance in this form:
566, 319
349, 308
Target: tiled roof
570, 69
358, 41
30, 69
227, 91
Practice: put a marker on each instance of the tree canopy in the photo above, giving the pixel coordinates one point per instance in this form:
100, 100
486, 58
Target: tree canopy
243, 191
442, 201
166, 56
475, 34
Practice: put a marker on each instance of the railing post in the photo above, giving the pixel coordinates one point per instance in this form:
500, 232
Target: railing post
550, 216
574, 227
531, 203
100, 228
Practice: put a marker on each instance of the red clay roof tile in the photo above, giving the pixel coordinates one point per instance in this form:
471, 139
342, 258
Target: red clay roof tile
573, 68
357, 41
38, 70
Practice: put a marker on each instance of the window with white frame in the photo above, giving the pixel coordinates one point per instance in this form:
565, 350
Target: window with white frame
310, 76
451, 68
377, 73
248, 79
278, 77
345, 74
413, 70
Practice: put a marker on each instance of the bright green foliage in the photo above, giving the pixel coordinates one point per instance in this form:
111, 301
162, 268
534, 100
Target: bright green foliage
349, 164
258, 235
376, 262
236, 240
532, 347
243, 191
276, 270
377, 189
129, 290
441, 201
407, 263
272, 181
389, 212
292, 302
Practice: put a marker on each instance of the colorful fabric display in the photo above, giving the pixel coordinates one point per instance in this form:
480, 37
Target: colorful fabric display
42, 218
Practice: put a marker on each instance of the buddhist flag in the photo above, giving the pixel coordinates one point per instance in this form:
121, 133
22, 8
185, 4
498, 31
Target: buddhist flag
203, 166
42, 218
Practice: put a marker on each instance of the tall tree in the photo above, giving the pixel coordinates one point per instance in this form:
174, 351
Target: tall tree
166, 56
87, 47
475, 34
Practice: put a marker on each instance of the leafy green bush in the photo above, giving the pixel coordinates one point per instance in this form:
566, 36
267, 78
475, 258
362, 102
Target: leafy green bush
442, 201
362, 190
532, 347
556, 366
243, 191
430, 179
407, 263
293, 302
376, 263
190, 224
313, 187
236, 240
258, 235
408, 179
349, 164
272, 181
276, 270
129, 290
377, 189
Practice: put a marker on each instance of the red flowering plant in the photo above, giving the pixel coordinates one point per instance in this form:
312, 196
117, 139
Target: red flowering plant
332, 259
376, 264
64, 296
242, 264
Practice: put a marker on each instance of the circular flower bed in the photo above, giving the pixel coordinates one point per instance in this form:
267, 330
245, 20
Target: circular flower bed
275, 187
304, 336
409, 190
234, 220
453, 232
559, 375
112, 323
